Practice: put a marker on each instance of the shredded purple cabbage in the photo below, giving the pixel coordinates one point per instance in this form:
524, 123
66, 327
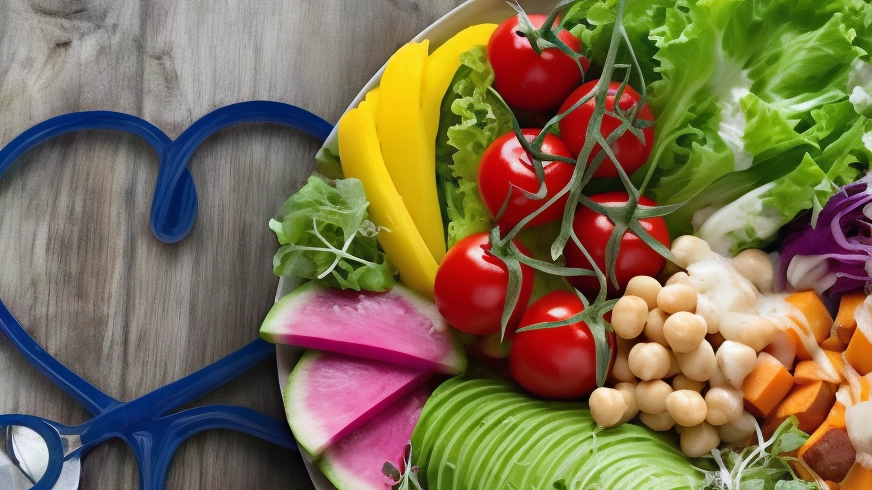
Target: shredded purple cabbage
835, 256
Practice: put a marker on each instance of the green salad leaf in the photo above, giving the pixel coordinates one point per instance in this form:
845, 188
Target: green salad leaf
326, 236
764, 466
470, 121
746, 94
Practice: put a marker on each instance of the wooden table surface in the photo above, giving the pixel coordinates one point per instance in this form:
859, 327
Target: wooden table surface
79, 266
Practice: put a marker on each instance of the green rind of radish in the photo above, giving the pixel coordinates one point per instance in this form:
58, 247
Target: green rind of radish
398, 326
329, 396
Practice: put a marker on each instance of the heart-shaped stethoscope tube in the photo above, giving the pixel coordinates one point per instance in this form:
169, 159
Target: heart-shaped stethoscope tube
174, 208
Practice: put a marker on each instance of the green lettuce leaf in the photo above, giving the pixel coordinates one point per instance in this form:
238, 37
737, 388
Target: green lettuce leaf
470, 121
753, 220
326, 236
749, 93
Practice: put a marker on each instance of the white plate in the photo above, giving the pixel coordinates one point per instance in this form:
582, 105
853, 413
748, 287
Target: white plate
469, 13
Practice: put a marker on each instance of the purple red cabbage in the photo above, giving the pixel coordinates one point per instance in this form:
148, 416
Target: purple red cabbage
834, 255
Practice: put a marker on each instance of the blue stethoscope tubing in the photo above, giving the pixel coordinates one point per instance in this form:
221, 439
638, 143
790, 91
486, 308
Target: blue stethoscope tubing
146, 423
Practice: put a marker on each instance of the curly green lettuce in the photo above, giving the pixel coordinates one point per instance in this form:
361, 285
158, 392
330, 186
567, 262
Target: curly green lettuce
326, 236
470, 121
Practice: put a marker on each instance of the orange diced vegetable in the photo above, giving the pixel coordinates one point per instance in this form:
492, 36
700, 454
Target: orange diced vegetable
859, 353
845, 322
831, 485
816, 316
858, 478
828, 451
766, 385
782, 348
833, 344
806, 372
810, 403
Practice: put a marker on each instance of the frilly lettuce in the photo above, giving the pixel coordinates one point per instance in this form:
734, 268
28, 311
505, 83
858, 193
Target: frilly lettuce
325, 235
470, 121
748, 94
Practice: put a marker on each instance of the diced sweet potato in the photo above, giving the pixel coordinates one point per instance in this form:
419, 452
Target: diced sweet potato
859, 353
831, 485
833, 344
783, 348
829, 452
845, 322
817, 317
810, 403
859, 478
810, 371
766, 385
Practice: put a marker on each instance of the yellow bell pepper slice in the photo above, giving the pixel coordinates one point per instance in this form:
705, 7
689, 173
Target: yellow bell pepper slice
409, 156
362, 159
440, 68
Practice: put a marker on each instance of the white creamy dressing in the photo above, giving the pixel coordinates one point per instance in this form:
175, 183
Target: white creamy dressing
727, 290
730, 224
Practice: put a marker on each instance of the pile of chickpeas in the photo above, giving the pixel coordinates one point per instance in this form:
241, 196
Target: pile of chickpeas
681, 357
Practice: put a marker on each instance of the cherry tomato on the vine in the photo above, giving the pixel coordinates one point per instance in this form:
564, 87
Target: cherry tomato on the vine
507, 169
525, 79
629, 150
635, 257
471, 287
558, 362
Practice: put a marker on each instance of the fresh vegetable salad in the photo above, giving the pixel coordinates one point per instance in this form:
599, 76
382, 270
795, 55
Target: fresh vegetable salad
621, 244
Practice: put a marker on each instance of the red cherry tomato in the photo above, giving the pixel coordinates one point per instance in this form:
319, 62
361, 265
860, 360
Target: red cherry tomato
527, 80
635, 257
505, 164
471, 287
557, 362
630, 152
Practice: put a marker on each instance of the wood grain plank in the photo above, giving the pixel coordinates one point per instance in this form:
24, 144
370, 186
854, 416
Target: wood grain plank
78, 264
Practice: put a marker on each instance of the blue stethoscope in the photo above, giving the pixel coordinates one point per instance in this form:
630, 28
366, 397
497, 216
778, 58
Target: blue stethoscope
149, 424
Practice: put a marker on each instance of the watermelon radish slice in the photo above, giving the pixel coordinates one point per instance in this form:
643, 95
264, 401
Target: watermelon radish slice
329, 396
356, 461
399, 326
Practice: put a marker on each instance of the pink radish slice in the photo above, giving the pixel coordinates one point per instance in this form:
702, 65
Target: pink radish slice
356, 461
329, 396
398, 326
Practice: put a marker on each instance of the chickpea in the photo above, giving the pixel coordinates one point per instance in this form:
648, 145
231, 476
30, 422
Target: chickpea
684, 331
682, 382
736, 361
621, 369
699, 440
724, 404
754, 331
687, 407
628, 391
629, 316
698, 364
654, 327
657, 421
645, 287
677, 297
679, 277
674, 368
607, 406
755, 265
648, 360
651, 395
718, 378
710, 313
688, 249
739, 430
